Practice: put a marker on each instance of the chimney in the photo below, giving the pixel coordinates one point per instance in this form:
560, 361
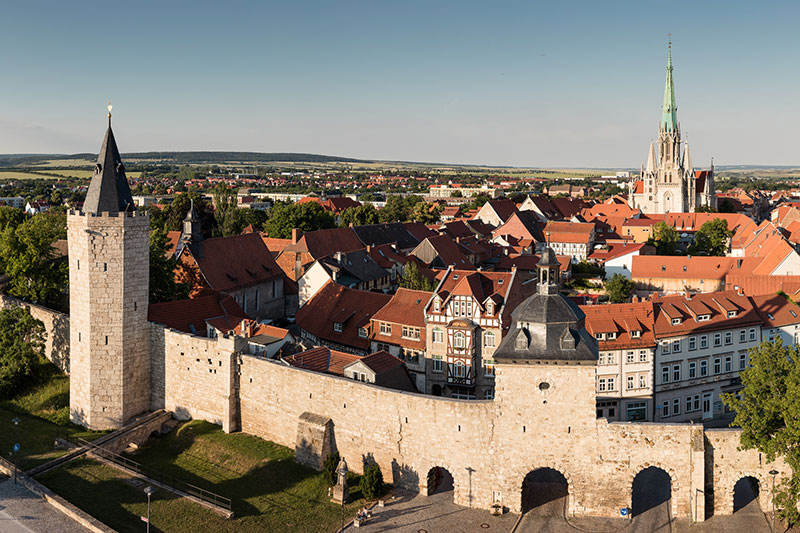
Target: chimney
296, 234
369, 248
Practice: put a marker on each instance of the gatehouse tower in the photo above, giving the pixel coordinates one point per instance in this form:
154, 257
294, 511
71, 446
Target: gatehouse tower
109, 276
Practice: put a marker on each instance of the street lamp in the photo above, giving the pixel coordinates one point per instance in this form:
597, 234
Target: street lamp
149, 491
15, 420
773, 473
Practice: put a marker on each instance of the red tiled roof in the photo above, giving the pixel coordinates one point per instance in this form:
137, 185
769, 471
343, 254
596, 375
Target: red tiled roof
419, 230
776, 311
759, 285
381, 361
218, 309
621, 319
407, 307
716, 302
322, 359
686, 267
337, 303
275, 245
230, 263
616, 250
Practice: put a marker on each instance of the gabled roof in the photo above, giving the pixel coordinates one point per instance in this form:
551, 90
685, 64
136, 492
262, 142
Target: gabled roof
335, 303
230, 263
616, 250
358, 264
686, 267
406, 307
503, 207
325, 242
419, 230
322, 359
392, 233
108, 191
776, 311
621, 319
480, 284
191, 315
447, 250
674, 307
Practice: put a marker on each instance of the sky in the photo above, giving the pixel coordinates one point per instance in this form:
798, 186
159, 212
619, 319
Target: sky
540, 84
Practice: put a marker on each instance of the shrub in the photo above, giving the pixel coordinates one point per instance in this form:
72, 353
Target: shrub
329, 468
372, 481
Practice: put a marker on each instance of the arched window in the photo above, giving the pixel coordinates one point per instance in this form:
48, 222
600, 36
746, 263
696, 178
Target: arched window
459, 369
488, 339
459, 339
438, 335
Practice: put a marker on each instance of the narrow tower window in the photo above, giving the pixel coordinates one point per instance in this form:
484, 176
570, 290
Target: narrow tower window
105, 267
106, 339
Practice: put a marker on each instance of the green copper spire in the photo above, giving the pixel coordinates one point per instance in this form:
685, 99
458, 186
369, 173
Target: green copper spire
669, 112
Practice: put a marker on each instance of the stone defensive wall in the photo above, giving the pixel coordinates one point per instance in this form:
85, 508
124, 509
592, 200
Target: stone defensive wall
56, 347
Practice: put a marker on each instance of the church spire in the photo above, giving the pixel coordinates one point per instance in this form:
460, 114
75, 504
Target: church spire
109, 190
651, 158
687, 160
669, 111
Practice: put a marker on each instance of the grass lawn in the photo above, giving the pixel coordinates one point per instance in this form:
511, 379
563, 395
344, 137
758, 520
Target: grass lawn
43, 408
269, 491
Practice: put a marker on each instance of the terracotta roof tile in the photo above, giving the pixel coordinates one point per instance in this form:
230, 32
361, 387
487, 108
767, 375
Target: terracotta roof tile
230, 263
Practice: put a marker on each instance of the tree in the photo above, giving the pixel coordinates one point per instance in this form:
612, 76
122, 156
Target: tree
372, 481
704, 209
619, 288
359, 216
329, 468
309, 216
726, 206
712, 238
426, 213
768, 411
187, 173
457, 194
665, 239
163, 287
27, 256
254, 217
175, 212
412, 278
226, 212
11, 217
21, 348
478, 199
398, 208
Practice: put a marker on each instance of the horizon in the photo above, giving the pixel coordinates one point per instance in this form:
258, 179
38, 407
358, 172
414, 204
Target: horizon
520, 86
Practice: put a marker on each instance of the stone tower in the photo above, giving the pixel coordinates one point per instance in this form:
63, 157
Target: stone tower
109, 266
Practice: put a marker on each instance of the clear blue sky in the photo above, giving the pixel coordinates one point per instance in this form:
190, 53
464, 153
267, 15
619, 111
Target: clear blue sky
518, 83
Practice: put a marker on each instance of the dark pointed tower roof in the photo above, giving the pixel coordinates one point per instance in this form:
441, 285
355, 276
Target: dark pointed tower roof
109, 190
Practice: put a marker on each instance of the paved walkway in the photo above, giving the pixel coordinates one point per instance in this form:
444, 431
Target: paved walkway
22, 511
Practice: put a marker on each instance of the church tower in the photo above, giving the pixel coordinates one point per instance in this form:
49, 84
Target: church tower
109, 265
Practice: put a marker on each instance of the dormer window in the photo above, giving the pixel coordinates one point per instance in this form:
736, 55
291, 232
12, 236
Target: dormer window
676, 321
490, 308
600, 336
362, 332
436, 304
337, 326
703, 318
521, 342
635, 334
612, 335
731, 314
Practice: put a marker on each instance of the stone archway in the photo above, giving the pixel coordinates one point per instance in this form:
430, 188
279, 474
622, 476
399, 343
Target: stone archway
674, 485
724, 502
745, 495
545, 491
560, 486
439, 481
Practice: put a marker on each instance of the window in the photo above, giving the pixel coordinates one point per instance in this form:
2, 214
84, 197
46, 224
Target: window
436, 304
337, 326
742, 361
688, 404
665, 374
437, 363
636, 411
631, 382
676, 406
611, 359
665, 409
410, 356
717, 339
728, 363
382, 347
728, 337
489, 368
696, 403
635, 334
717, 365
602, 385
752, 334
410, 333
459, 339
386, 328
488, 339
642, 356
600, 336
703, 368
611, 384
692, 343
742, 335
731, 314
601, 359
703, 342
244, 303
490, 308
692, 369
258, 299
676, 346
438, 335
665, 347
676, 321
631, 357
469, 308
362, 332
676, 372
612, 335
459, 369
488, 394
642, 381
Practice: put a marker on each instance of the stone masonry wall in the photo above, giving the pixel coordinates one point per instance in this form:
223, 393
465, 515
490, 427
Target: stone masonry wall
56, 324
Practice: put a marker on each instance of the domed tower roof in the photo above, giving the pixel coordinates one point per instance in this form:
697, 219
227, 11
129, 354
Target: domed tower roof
547, 328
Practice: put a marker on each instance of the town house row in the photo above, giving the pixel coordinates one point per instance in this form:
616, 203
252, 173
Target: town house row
670, 359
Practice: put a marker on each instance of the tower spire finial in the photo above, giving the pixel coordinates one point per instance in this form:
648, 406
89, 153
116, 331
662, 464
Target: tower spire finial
109, 113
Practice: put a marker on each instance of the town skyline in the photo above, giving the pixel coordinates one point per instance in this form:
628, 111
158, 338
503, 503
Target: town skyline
459, 86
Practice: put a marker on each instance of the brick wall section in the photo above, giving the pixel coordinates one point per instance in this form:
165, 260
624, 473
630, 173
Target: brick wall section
194, 376
56, 324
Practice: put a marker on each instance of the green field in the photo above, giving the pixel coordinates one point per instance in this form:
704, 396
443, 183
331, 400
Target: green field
43, 409
74, 173
66, 163
269, 491
20, 175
